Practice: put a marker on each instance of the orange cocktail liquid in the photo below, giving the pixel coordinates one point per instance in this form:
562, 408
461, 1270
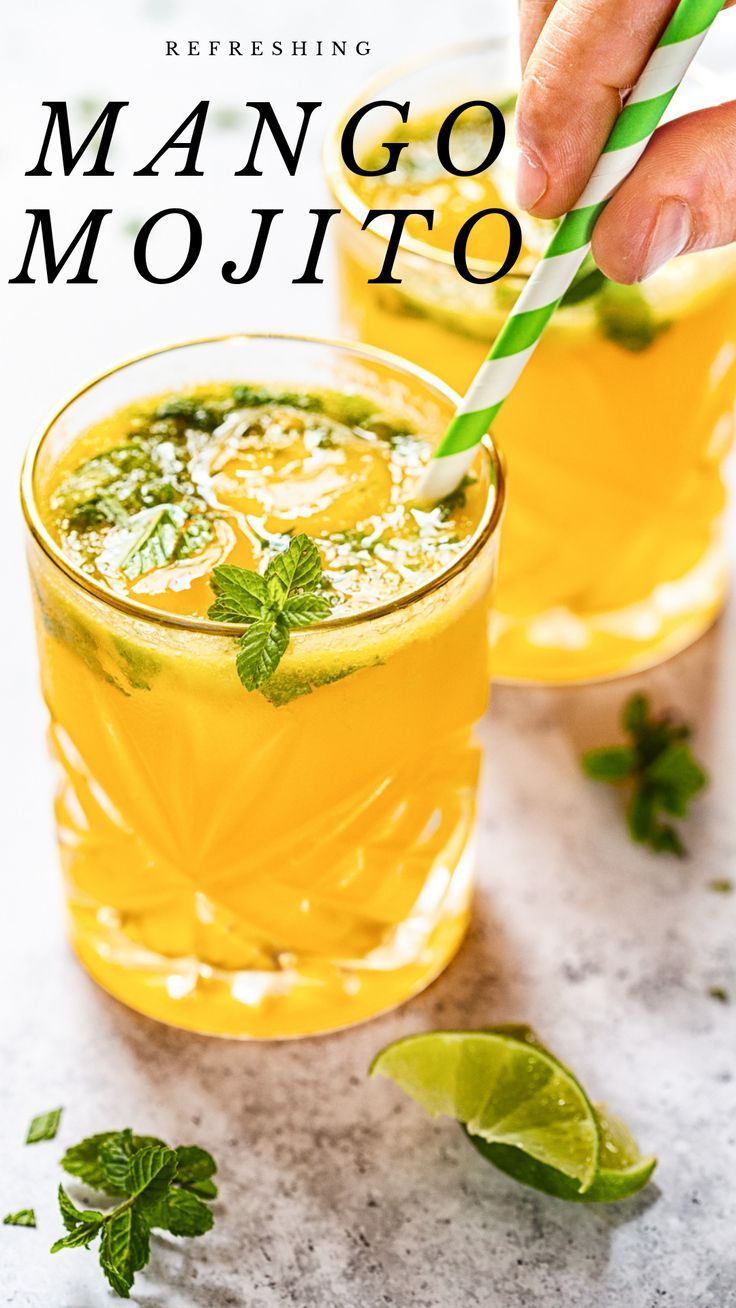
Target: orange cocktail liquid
615, 435
280, 863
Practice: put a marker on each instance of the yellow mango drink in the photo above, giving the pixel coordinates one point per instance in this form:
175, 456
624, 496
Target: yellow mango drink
292, 858
616, 433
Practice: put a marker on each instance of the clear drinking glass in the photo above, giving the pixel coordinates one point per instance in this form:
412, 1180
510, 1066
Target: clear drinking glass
234, 867
616, 433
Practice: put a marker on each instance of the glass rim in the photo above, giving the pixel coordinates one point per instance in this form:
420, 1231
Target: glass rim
485, 529
338, 178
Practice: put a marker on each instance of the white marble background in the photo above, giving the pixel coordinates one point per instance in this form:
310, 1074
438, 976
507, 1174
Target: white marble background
336, 1193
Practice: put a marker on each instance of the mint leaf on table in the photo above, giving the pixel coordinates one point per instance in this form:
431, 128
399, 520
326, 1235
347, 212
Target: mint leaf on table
271, 604
194, 1171
660, 770
720, 994
158, 1189
24, 1217
125, 1248
44, 1126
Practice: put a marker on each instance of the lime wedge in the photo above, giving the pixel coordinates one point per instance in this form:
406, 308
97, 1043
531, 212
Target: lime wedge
507, 1090
622, 1171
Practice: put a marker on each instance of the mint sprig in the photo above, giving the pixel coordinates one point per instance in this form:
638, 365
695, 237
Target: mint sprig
286, 596
659, 769
159, 1189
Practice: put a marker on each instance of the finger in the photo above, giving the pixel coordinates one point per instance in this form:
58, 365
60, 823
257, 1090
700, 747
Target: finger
680, 197
588, 53
533, 14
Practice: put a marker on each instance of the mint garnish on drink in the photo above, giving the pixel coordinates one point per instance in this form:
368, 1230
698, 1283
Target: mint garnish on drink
286, 596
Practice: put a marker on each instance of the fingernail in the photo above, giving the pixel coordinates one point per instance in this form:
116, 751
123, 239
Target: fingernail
531, 180
669, 235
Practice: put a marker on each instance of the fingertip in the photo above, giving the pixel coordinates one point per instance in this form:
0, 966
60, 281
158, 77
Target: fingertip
532, 180
619, 259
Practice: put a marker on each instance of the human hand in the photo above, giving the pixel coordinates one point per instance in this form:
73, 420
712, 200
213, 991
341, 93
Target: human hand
579, 58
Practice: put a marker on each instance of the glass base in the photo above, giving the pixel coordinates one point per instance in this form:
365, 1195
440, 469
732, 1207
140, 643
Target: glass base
564, 646
306, 995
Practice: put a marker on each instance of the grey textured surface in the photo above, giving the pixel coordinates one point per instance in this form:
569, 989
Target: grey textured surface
336, 1191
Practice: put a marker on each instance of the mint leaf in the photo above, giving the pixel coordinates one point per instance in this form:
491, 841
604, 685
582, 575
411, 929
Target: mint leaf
298, 568
287, 595
626, 317
114, 1159
635, 713
81, 1224
303, 610
456, 499
720, 993
80, 1238
283, 687
148, 540
24, 1217
124, 1249
92, 1159
662, 773
71, 1216
181, 1213
194, 1170
189, 410
44, 1126
614, 763
196, 533
261, 649
150, 1170
254, 396
677, 777
241, 594
588, 281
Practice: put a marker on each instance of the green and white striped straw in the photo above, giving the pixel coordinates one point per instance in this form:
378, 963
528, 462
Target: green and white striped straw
555, 272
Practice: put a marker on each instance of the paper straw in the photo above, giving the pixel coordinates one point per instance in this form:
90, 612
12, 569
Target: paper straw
556, 270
